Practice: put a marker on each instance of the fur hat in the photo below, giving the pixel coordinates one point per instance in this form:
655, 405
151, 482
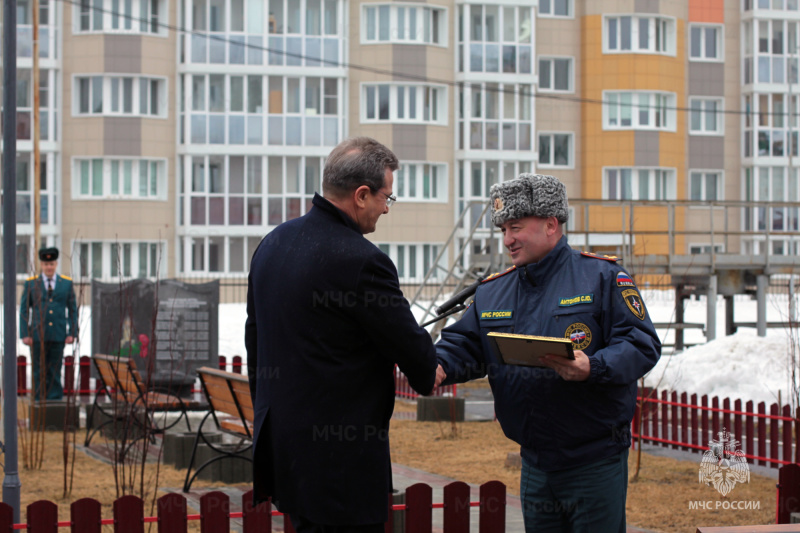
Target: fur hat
48, 254
530, 195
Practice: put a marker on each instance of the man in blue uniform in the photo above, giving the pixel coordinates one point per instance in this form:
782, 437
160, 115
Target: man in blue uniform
48, 319
571, 418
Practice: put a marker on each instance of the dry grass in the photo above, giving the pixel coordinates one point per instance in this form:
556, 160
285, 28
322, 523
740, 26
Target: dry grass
474, 452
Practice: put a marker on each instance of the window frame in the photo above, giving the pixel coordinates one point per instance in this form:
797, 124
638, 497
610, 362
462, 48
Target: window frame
720, 43
420, 89
107, 19
107, 164
670, 115
703, 112
672, 193
720, 179
570, 156
570, 74
670, 47
403, 275
107, 97
550, 14
443, 29
442, 180
107, 263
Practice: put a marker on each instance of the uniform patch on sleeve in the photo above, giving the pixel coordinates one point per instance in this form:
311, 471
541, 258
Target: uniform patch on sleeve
497, 315
624, 280
634, 302
580, 335
575, 300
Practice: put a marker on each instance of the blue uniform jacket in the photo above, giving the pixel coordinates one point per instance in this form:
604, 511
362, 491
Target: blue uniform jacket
56, 315
559, 424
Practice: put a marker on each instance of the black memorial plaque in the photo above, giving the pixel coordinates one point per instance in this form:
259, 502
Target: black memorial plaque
170, 328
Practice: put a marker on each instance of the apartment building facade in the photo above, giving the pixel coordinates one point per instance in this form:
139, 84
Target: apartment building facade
177, 133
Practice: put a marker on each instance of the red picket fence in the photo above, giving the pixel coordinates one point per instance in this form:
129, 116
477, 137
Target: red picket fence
403, 390
215, 514
681, 422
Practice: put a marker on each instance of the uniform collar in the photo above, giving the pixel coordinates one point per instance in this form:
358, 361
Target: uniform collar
331, 210
539, 273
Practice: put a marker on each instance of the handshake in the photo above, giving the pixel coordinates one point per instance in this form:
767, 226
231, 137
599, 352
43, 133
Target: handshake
440, 377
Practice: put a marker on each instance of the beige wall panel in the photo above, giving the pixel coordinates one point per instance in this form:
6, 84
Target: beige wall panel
600, 7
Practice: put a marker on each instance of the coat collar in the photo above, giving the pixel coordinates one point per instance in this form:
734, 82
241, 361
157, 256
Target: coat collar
539, 273
330, 210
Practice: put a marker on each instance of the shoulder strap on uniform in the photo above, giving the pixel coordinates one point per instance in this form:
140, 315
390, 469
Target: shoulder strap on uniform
612, 258
499, 274
32, 278
65, 277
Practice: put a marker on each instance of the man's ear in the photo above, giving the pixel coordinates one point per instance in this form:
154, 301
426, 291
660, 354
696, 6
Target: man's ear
361, 196
552, 225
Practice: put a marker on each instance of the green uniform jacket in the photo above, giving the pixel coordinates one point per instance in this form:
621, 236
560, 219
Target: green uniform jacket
57, 315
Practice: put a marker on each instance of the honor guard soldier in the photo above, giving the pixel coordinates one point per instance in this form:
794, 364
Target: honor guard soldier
572, 418
48, 319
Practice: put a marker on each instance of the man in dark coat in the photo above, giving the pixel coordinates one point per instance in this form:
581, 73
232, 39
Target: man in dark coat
48, 319
326, 323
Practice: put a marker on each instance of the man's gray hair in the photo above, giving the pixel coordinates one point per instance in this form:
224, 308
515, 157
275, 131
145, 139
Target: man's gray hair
355, 162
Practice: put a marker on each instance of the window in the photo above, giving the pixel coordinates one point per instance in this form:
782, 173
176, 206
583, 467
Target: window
771, 184
235, 191
494, 38
775, 51
414, 260
777, 5
639, 184
767, 126
705, 185
408, 24
633, 34
48, 28
695, 249
639, 110
475, 178
555, 74
25, 177
496, 116
258, 110
556, 150
119, 178
121, 95
404, 103
705, 43
119, 259
219, 254
705, 116
555, 8
48, 114
121, 16
419, 182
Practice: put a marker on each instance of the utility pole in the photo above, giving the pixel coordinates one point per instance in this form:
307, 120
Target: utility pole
11, 481
37, 158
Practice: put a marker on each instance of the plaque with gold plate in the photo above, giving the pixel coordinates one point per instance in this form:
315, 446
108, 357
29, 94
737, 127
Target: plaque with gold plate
527, 350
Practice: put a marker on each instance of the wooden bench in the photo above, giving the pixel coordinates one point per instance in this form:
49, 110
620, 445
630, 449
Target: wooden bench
231, 409
128, 397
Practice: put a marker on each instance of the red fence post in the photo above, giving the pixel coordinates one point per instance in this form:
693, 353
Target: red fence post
237, 364
737, 419
69, 374
774, 434
419, 513
664, 419
704, 421
762, 433
749, 428
288, 527
797, 437
258, 518
674, 421
129, 515
6, 518
654, 407
42, 517
726, 417
388, 526
84, 373
456, 507
223, 363
22, 375
684, 420
788, 492
493, 507
171, 509
215, 509
85, 516
715, 417
787, 434
695, 421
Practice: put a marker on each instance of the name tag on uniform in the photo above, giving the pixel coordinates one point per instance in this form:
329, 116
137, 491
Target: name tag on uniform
497, 315
576, 300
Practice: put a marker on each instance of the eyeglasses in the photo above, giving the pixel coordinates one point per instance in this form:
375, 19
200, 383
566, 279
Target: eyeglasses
390, 198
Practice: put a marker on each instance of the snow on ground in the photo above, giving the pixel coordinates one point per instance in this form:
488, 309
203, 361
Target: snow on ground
740, 366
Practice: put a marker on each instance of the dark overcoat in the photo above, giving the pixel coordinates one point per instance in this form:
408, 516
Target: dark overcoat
326, 323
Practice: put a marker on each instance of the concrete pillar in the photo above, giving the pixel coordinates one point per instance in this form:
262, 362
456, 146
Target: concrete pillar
711, 309
730, 324
762, 282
